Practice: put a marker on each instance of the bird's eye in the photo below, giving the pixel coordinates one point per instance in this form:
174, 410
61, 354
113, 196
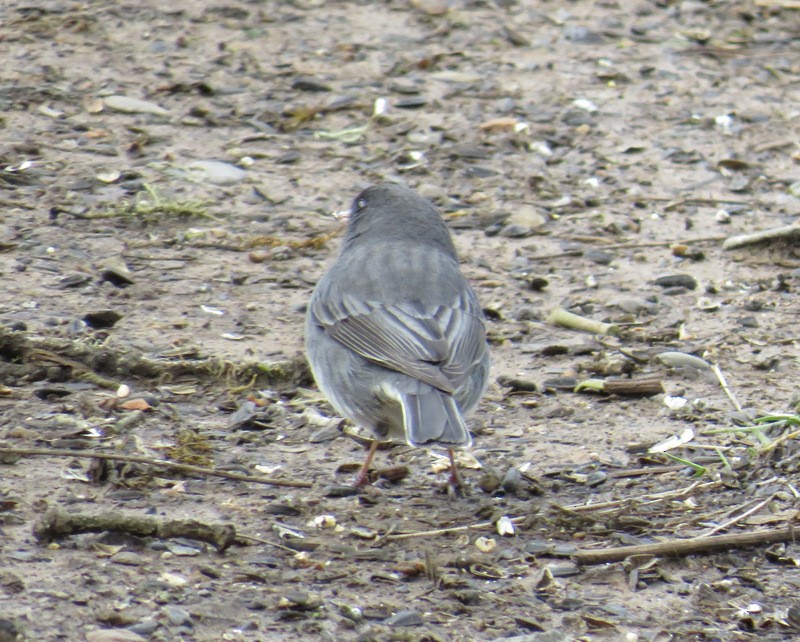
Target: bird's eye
361, 203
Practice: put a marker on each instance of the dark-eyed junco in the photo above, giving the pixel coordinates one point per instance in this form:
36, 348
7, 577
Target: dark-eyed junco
394, 333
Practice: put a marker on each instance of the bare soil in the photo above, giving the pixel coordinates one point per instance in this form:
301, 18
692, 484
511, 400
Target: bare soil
580, 152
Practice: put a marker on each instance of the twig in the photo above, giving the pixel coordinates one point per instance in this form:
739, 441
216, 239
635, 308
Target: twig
630, 246
57, 523
694, 200
633, 246
787, 232
777, 442
724, 385
681, 547
561, 317
136, 459
452, 529
739, 518
643, 500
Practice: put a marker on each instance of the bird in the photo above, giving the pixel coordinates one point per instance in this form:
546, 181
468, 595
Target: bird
394, 334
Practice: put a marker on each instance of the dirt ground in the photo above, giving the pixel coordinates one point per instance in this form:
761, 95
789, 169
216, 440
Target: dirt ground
169, 171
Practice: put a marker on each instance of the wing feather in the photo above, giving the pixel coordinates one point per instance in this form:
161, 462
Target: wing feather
438, 345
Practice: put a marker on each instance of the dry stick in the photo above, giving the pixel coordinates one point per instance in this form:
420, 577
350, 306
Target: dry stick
695, 200
136, 459
452, 529
561, 317
739, 518
57, 523
773, 445
724, 385
788, 232
630, 246
681, 547
643, 500
634, 387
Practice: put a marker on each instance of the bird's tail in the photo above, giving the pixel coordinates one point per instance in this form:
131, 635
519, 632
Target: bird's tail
433, 417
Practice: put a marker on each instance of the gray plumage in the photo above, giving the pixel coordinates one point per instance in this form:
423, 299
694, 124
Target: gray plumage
394, 333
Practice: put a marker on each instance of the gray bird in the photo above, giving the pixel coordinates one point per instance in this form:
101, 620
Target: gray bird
394, 333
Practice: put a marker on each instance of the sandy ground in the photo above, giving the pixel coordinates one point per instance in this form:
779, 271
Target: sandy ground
587, 155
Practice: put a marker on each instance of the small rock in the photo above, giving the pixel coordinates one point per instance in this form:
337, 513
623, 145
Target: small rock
596, 478
512, 481
310, 84
489, 482
116, 273
216, 172
432, 192
411, 102
565, 569
102, 318
177, 616
146, 627
560, 383
129, 105
527, 216
340, 491
599, 256
127, 558
516, 384
404, 618
324, 434
537, 283
632, 305
677, 281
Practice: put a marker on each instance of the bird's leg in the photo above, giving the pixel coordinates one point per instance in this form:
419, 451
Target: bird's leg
455, 478
362, 478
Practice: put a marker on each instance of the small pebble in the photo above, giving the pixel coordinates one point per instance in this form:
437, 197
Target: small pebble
677, 280
129, 105
127, 558
177, 616
310, 84
340, 491
404, 618
512, 481
216, 172
599, 256
596, 478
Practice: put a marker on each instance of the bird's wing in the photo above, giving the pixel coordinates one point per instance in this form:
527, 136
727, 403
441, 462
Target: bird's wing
436, 345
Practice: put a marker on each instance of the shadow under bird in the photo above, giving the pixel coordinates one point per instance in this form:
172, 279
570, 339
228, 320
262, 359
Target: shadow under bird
394, 333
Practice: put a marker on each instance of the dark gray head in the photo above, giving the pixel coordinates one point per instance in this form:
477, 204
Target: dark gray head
389, 212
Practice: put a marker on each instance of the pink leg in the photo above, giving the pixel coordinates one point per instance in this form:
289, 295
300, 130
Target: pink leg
455, 478
362, 478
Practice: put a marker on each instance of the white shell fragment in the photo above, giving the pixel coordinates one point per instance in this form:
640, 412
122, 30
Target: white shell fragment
673, 442
505, 526
379, 109
324, 521
586, 105
209, 310
485, 544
